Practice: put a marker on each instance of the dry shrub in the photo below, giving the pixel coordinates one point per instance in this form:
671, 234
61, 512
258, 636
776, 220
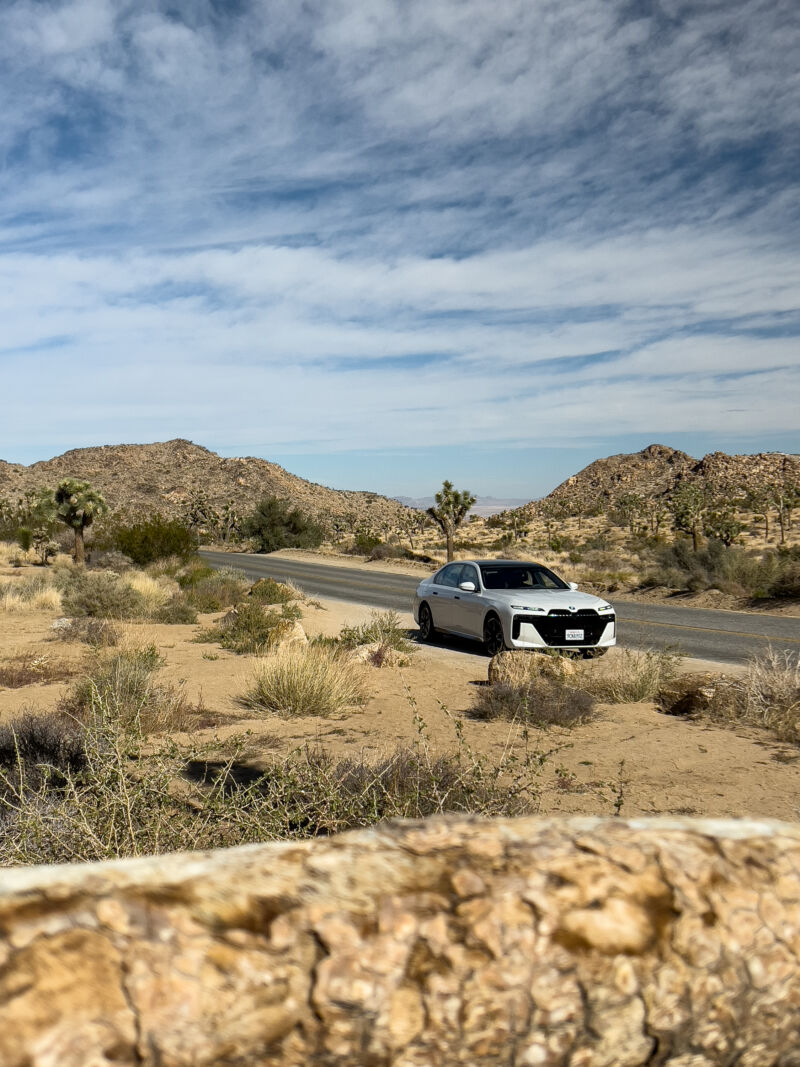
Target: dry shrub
310, 680
632, 675
103, 595
268, 591
36, 750
125, 684
97, 633
215, 591
154, 592
177, 610
31, 668
540, 701
517, 668
767, 696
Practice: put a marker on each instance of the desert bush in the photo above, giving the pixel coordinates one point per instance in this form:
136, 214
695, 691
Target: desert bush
154, 592
250, 629
36, 592
218, 590
637, 674
102, 594
734, 570
382, 551
110, 560
187, 575
364, 544
309, 680
153, 539
115, 794
37, 751
125, 684
268, 591
176, 610
767, 696
31, 668
275, 524
382, 628
540, 701
97, 633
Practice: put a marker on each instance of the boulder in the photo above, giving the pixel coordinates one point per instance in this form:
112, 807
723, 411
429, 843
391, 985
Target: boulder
578, 942
517, 667
377, 654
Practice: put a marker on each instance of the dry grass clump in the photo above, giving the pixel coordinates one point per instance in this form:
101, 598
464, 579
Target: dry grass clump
30, 668
767, 696
213, 591
268, 591
154, 592
37, 593
633, 675
125, 684
310, 680
541, 700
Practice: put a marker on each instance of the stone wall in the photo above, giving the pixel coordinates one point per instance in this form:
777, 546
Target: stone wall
581, 942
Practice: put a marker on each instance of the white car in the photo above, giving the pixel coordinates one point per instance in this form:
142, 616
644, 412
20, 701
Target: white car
508, 604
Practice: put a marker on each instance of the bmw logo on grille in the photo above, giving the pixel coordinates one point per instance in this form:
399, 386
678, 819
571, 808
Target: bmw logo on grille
572, 607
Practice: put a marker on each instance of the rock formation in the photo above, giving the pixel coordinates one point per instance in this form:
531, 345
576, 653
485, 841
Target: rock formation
583, 942
141, 479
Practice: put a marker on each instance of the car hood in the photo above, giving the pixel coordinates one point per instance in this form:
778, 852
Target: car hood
563, 599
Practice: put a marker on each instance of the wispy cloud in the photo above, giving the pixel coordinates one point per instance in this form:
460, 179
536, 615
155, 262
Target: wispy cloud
348, 225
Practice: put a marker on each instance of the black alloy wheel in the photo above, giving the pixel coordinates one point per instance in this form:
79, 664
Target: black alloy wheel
427, 631
493, 638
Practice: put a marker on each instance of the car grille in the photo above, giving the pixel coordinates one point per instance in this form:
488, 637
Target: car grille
552, 628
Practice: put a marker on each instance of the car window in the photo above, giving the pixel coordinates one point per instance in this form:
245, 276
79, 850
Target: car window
450, 575
521, 576
469, 574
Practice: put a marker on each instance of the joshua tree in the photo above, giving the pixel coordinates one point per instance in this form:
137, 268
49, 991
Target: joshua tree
451, 509
77, 506
689, 504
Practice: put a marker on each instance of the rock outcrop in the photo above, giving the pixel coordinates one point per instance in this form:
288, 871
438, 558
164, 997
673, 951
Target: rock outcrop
584, 942
141, 479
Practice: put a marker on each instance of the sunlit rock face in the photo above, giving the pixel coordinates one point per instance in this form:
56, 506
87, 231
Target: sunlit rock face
581, 942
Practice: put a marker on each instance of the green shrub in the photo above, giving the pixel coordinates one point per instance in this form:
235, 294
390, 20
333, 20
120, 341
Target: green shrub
268, 591
217, 590
249, 628
155, 538
275, 524
364, 544
177, 610
103, 595
383, 628
24, 538
732, 569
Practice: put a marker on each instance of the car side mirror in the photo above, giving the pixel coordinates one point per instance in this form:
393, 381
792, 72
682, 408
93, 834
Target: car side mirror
468, 587
573, 586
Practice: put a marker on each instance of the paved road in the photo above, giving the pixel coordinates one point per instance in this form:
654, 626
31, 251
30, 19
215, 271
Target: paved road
727, 636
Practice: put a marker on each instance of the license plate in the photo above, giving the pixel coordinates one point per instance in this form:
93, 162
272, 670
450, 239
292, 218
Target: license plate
574, 635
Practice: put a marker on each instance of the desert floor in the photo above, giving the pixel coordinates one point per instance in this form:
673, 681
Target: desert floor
629, 759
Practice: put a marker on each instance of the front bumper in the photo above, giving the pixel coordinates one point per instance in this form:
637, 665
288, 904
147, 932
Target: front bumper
562, 631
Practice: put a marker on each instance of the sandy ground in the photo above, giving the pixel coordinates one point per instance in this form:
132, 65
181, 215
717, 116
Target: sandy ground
629, 759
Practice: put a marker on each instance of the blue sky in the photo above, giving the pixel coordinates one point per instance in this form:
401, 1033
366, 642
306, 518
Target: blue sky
386, 243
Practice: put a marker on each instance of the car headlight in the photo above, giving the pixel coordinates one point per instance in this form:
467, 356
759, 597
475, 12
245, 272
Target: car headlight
605, 607
526, 607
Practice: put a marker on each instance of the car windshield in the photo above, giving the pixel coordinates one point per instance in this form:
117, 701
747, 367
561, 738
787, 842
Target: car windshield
520, 576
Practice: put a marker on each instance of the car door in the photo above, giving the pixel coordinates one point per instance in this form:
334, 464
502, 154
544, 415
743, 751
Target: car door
442, 600
469, 609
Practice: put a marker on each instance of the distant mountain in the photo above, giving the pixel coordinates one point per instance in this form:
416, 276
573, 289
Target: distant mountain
484, 505
140, 479
657, 470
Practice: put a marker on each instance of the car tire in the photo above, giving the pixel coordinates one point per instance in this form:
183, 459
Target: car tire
427, 631
494, 640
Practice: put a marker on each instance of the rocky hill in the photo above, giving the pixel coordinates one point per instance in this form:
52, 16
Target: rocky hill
139, 479
657, 470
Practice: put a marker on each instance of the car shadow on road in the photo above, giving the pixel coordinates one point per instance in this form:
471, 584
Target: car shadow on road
450, 642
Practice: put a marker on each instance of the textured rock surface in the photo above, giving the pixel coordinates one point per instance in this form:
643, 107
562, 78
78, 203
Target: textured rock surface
578, 942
